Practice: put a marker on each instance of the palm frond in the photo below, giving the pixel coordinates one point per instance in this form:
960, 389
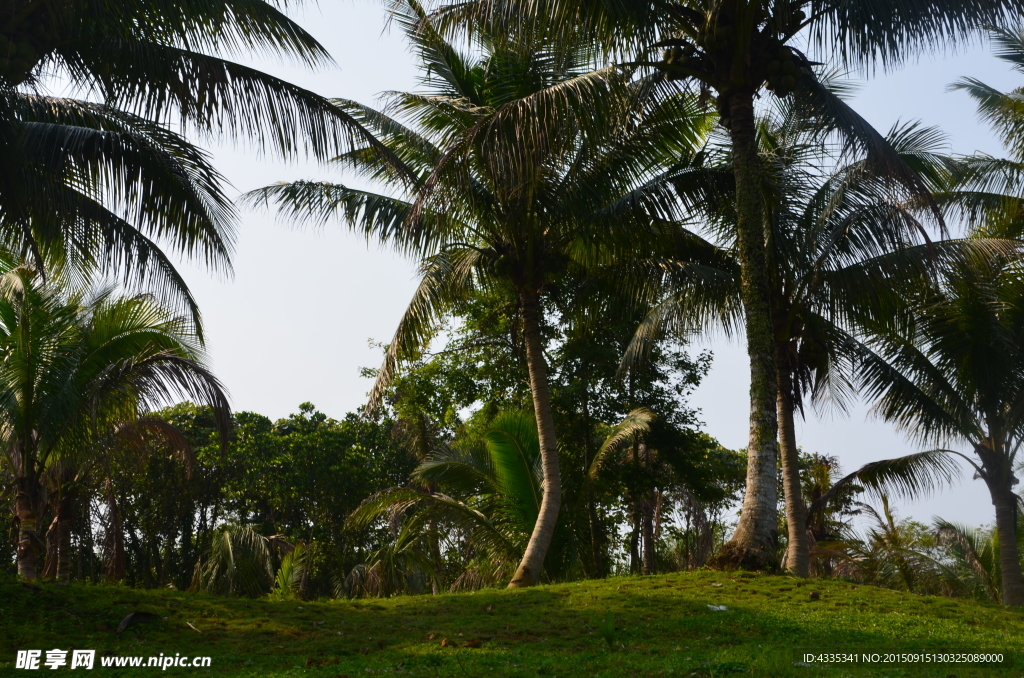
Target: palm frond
909, 477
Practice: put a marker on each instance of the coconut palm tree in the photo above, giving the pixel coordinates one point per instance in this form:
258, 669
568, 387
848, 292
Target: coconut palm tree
841, 239
76, 363
1004, 111
522, 163
955, 374
108, 185
734, 51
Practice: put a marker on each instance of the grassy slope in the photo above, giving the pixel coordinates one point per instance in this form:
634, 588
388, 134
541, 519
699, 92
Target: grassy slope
663, 626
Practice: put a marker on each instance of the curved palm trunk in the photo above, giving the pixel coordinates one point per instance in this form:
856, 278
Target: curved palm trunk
798, 557
755, 540
1009, 558
529, 570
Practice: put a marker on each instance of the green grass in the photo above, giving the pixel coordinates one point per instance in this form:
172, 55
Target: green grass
662, 626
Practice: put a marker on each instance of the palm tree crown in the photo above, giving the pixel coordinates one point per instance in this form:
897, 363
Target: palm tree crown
519, 163
79, 363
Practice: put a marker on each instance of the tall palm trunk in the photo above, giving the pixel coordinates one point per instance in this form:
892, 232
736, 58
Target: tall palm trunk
1005, 502
26, 502
755, 540
798, 557
529, 570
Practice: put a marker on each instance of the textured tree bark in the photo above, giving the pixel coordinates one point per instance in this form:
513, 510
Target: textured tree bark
754, 543
529, 570
798, 556
1012, 584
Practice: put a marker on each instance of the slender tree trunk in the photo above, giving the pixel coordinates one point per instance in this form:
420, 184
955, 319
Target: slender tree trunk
595, 526
634, 541
25, 503
647, 512
52, 539
647, 531
1012, 584
659, 499
798, 556
532, 564
435, 555
116, 565
754, 543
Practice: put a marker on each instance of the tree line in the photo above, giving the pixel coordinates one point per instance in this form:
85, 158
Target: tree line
585, 186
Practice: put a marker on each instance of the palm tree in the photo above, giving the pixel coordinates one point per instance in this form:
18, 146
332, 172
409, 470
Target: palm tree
74, 474
491, 493
973, 555
74, 364
630, 435
841, 239
893, 553
241, 562
734, 50
1004, 111
955, 373
108, 185
521, 162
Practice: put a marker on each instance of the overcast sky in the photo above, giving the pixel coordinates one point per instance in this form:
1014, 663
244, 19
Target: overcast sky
294, 321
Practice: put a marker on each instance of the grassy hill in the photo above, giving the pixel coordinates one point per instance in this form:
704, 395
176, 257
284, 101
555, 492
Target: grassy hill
663, 626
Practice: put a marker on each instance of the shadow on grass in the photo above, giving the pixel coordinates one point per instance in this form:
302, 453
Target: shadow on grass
661, 625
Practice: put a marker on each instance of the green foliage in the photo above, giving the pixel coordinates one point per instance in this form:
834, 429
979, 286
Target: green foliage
485, 496
297, 479
108, 187
240, 563
290, 574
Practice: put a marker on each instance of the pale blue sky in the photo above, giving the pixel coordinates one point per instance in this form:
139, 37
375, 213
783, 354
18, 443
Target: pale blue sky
292, 325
